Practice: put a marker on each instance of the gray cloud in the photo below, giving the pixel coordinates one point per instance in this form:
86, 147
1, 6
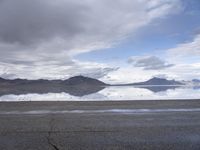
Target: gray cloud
149, 63
26, 21
8, 76
42, 33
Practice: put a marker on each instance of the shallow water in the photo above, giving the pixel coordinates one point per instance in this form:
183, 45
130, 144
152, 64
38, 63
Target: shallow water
113, 93
112, 111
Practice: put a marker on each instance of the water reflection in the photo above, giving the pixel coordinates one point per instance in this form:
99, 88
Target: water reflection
157, 89
100, 93
78, 91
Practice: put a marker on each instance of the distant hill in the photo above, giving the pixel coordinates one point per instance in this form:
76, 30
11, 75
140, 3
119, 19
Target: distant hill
73, 81
76, 86
158, 81
86, 81
196, 80
2, 80
81, 80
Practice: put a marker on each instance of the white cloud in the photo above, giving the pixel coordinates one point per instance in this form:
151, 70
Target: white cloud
128, 75
131, 74
186, 49
50, 70
184, 71
185, 56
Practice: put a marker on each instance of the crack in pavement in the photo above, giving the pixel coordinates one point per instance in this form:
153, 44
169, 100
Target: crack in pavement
49, 135
50, 143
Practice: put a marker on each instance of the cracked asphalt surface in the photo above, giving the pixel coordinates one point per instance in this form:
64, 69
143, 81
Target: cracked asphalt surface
78, 126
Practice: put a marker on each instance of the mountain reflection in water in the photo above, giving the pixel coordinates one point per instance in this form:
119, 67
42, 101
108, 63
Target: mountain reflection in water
78, 91
80, 87
96, 93
157, 89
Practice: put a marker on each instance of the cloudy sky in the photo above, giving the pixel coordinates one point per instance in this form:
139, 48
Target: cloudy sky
116, 41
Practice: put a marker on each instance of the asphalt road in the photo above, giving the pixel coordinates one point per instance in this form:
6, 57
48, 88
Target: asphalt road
131, 125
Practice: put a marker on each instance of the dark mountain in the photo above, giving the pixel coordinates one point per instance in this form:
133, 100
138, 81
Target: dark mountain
81, 80
73, 81
2, 80
196, 80
76, 86
158, 81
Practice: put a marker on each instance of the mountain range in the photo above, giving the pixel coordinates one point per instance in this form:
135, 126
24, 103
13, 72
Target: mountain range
196, 81
85, 81
76, 86
154, 82
159, 81
73, 81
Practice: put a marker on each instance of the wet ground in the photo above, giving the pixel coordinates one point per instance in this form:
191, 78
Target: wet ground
131, 125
